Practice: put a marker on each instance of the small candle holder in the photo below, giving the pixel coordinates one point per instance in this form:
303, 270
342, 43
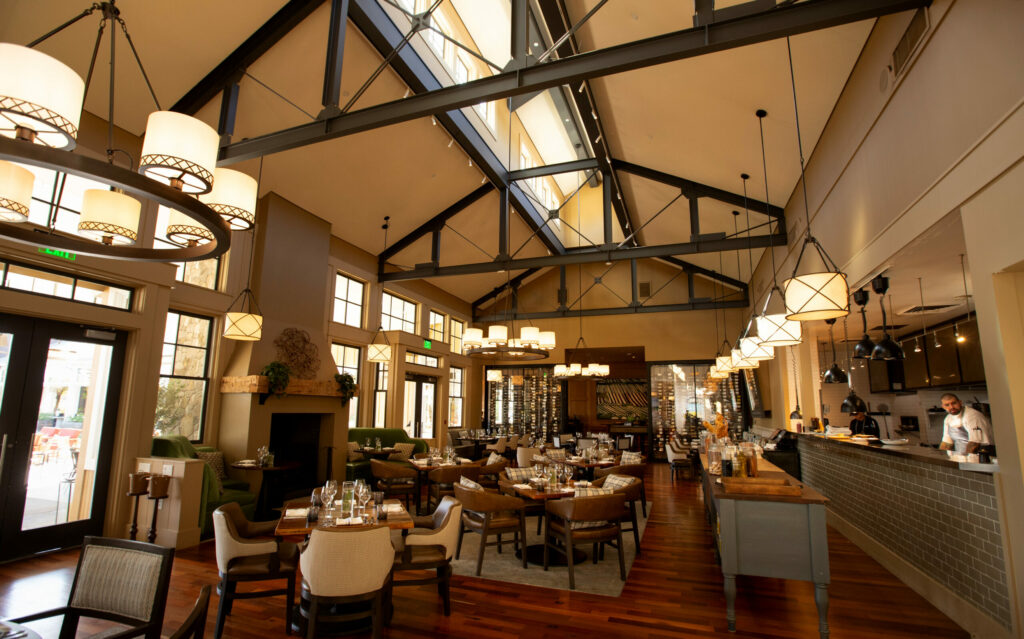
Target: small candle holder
138, 485
158, 489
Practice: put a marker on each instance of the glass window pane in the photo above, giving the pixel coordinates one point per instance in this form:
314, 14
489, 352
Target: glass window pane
171, 328
167, 360
194, 331
355, 292
179, 407
24, 278
353, 316
189, 361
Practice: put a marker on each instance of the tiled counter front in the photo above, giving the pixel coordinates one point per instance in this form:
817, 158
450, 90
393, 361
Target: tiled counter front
938, 518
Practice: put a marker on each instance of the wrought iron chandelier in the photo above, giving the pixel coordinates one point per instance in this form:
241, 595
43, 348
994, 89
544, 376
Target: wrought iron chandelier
41, 102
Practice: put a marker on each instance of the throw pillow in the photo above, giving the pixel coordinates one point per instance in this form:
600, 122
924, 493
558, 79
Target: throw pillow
216, 461
618, 481
494, 459
353, 452
555, 453
590, 491
402, 452
466, 482
520, 475
630, 458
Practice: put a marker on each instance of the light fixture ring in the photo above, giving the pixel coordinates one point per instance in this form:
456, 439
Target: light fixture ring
11, 208
524, 353
129, 181
58, 127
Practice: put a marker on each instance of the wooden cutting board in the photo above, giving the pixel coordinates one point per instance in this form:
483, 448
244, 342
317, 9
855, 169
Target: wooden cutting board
761, 486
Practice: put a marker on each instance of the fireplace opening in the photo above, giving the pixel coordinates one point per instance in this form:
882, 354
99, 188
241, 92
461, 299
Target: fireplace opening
294, 440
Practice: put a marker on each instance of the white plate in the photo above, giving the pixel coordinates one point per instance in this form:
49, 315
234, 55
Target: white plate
896, 442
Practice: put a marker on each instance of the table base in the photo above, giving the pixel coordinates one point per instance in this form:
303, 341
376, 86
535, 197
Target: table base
556, 556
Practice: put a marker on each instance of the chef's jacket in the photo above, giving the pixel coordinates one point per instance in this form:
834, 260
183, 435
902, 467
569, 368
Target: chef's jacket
969, 426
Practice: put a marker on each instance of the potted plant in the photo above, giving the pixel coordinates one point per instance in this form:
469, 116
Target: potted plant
278, 374
346, 386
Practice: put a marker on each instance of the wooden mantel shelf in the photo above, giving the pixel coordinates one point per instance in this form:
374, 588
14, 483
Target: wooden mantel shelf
259, 385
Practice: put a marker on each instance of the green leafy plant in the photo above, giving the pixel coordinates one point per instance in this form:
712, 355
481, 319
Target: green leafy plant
346, 386
278, 374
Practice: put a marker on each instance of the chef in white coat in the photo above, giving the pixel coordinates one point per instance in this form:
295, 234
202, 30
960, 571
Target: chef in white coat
965, 429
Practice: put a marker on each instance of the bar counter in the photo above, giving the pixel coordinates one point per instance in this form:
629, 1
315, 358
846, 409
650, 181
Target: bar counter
932, 521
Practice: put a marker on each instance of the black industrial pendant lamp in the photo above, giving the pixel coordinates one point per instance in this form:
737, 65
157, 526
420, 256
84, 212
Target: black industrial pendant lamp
796, 414
834, 375
853, 403
887, 348
863, 348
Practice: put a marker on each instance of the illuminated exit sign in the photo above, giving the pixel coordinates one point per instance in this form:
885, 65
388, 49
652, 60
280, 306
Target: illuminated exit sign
427, 344
63, 255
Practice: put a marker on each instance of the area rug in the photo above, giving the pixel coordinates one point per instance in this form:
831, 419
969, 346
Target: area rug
599, 579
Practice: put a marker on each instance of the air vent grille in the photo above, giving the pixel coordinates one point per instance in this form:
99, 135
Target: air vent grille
643, 289
891, 327
926, 309
911, 38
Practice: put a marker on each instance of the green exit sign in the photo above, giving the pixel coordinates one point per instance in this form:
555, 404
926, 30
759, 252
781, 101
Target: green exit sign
427, 344
64, 255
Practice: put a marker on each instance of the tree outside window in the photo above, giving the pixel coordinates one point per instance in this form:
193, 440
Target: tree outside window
184, 365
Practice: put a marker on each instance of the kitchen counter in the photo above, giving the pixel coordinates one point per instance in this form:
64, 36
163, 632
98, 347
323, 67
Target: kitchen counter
924, 454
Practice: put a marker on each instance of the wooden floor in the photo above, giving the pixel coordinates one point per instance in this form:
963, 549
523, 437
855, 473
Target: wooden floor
674, 590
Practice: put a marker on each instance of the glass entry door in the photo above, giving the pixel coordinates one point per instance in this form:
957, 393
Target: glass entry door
59, 388
420, 399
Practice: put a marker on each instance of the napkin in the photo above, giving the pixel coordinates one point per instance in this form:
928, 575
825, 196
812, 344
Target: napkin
295, 512
582, 483
392, 508
522, 486
465, 460
246, 462
349, 521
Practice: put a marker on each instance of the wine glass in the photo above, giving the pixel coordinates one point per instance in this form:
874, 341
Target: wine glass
362, 496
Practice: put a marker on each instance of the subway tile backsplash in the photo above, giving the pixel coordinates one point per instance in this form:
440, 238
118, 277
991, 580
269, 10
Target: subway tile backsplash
940, 519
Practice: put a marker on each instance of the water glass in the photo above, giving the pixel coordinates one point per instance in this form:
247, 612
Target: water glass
348, 493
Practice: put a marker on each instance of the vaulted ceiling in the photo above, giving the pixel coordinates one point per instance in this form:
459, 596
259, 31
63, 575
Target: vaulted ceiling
691, 118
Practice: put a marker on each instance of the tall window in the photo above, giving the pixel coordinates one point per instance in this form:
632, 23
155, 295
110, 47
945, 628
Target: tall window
486, 112
454, 397
184, 376
203, 273
461, 71
397, 314
348, 301
456, 339
436, 328
380, 396
347, 359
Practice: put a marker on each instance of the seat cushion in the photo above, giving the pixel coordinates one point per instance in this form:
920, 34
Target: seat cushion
287, 555
420, 557
599, 530
499, 522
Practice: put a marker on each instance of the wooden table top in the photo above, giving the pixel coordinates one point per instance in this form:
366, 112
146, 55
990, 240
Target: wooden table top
544, 495
267, 469
765, 469
298, 527
582, 463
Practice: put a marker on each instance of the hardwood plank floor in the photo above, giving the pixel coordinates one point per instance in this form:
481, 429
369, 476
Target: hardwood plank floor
674, 590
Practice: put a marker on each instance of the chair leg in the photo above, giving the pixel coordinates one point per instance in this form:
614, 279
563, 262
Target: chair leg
314, 610
622, 562
547, 544
636, 529
289, 603
483, 546
643, 499
522, 536
594, 551
568, 555
231, 585
458, 548
540, 519
499, 543
444, 576
222, 607
378, 620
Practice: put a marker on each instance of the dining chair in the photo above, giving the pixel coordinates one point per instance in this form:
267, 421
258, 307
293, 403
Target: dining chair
487, 514
395, 480
633, 470
584, 520
491, 473
431, 546
631, 488
524, 456
584, 443
116, 580
245, 553
441, 481
344, 567
498, 446
194, 626
679, 460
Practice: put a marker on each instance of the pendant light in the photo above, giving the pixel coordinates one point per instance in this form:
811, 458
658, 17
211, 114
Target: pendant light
379, 352
15, 192
863, 348
834, 375
813, 292
773, 328
246, 323
887, 348
40, 96
796, 414
853, 403
967, 302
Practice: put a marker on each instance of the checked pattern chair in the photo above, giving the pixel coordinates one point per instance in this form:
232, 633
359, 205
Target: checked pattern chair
632, 470
488, 514
395, 480
630, 487
584, 520
117, 580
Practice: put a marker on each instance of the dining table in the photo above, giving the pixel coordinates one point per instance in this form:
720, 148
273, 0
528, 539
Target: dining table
424, 466
299, 526
271, 480
588, 466
542, 494
377, 453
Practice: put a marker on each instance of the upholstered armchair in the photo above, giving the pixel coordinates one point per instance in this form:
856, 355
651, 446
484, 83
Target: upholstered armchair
441, 481
631, 489
244, 553
632, 470
584, 520
395, 480
491, 473
490, 514
431, 546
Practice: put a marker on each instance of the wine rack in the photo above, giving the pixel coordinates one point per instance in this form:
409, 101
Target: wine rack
527, 400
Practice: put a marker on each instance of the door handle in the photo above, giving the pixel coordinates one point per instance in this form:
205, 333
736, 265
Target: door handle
3, 454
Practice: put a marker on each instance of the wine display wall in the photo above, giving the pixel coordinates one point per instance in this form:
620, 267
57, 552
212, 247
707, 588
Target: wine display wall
527, 401
677, 403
